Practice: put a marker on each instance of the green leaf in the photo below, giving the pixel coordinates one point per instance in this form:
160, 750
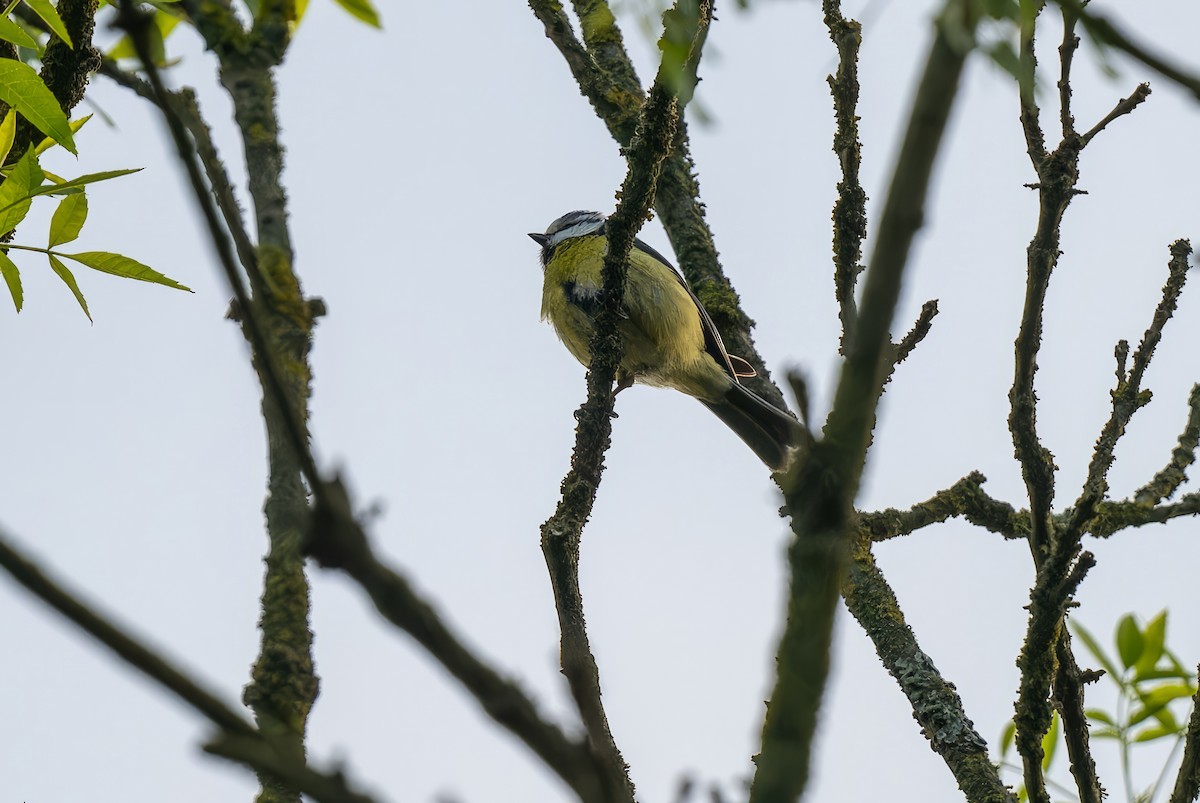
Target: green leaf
1155, 700
90, 178
1008, 737
164, 23
1099, 715
119, 265
12, 32
362, 10
1130, 643
21, 88
48, 143
1153, 636
1105, 733
1167, 720
15, 191
65, 274
68, 219
12, 278
1097, 652
49, 15
1050, 742
1150, 734
8, 132
1159, 674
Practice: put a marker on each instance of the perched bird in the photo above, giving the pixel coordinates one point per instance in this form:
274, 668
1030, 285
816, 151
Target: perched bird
670, 340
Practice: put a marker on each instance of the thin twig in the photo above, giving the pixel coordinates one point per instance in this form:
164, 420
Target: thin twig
123, 645
1123, 107
850, 209
1128, 396
134, 22
964, 498
1112, 517
1106, 32
185, 106
920, 329
1174, 474
253, 748
1066, 55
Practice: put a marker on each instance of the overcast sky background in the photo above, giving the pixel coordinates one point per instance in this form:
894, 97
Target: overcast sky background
418, 158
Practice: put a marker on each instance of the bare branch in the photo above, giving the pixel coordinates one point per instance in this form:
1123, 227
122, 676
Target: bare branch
920, 329
116, 639
1068, 692
185, 106
1123, 107
1106, 32
336, 541
935, 703
262, 758
1066, 55
1128, 397
965, 498
562, 532
820, 491
850, 210
1183, 455
1187, 783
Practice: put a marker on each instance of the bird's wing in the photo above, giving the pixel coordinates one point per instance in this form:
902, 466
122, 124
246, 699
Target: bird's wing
734, 366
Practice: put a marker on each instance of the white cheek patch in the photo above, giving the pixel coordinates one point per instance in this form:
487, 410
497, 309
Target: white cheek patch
580, 229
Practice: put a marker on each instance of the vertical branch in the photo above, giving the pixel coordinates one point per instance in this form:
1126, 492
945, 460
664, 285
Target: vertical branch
849, 212
562, 532
821, 490
1187, 783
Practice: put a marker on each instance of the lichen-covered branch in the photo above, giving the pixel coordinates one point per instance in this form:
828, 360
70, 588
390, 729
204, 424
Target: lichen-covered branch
965, 498
562, 532
278, 322
1187, 783
337, 541
820, 490
1174, 474
850, 209
1128, 397
936, 705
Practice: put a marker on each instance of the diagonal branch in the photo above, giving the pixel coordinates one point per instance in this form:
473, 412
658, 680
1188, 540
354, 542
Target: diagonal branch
336, 541
964, 498
255, 749
1174, 474
935, 702
1128, 397
185, 107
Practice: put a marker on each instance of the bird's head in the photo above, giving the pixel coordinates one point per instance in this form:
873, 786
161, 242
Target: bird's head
572, 224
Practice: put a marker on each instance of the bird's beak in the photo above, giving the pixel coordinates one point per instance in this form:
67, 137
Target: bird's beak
540, 239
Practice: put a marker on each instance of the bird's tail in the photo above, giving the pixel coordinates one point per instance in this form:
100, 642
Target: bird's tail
766, 429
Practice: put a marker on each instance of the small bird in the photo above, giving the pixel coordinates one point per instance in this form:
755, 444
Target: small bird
670, 340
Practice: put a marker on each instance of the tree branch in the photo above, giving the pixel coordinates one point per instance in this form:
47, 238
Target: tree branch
336, 541
936, 705
1174, 474
965, 498
850, 209
1187, 783
562, 532
820, 490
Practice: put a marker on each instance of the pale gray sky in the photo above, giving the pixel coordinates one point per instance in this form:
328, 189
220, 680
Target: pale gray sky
417, 160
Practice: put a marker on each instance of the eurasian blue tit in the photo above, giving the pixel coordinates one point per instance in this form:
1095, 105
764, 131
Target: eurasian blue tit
670, 340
